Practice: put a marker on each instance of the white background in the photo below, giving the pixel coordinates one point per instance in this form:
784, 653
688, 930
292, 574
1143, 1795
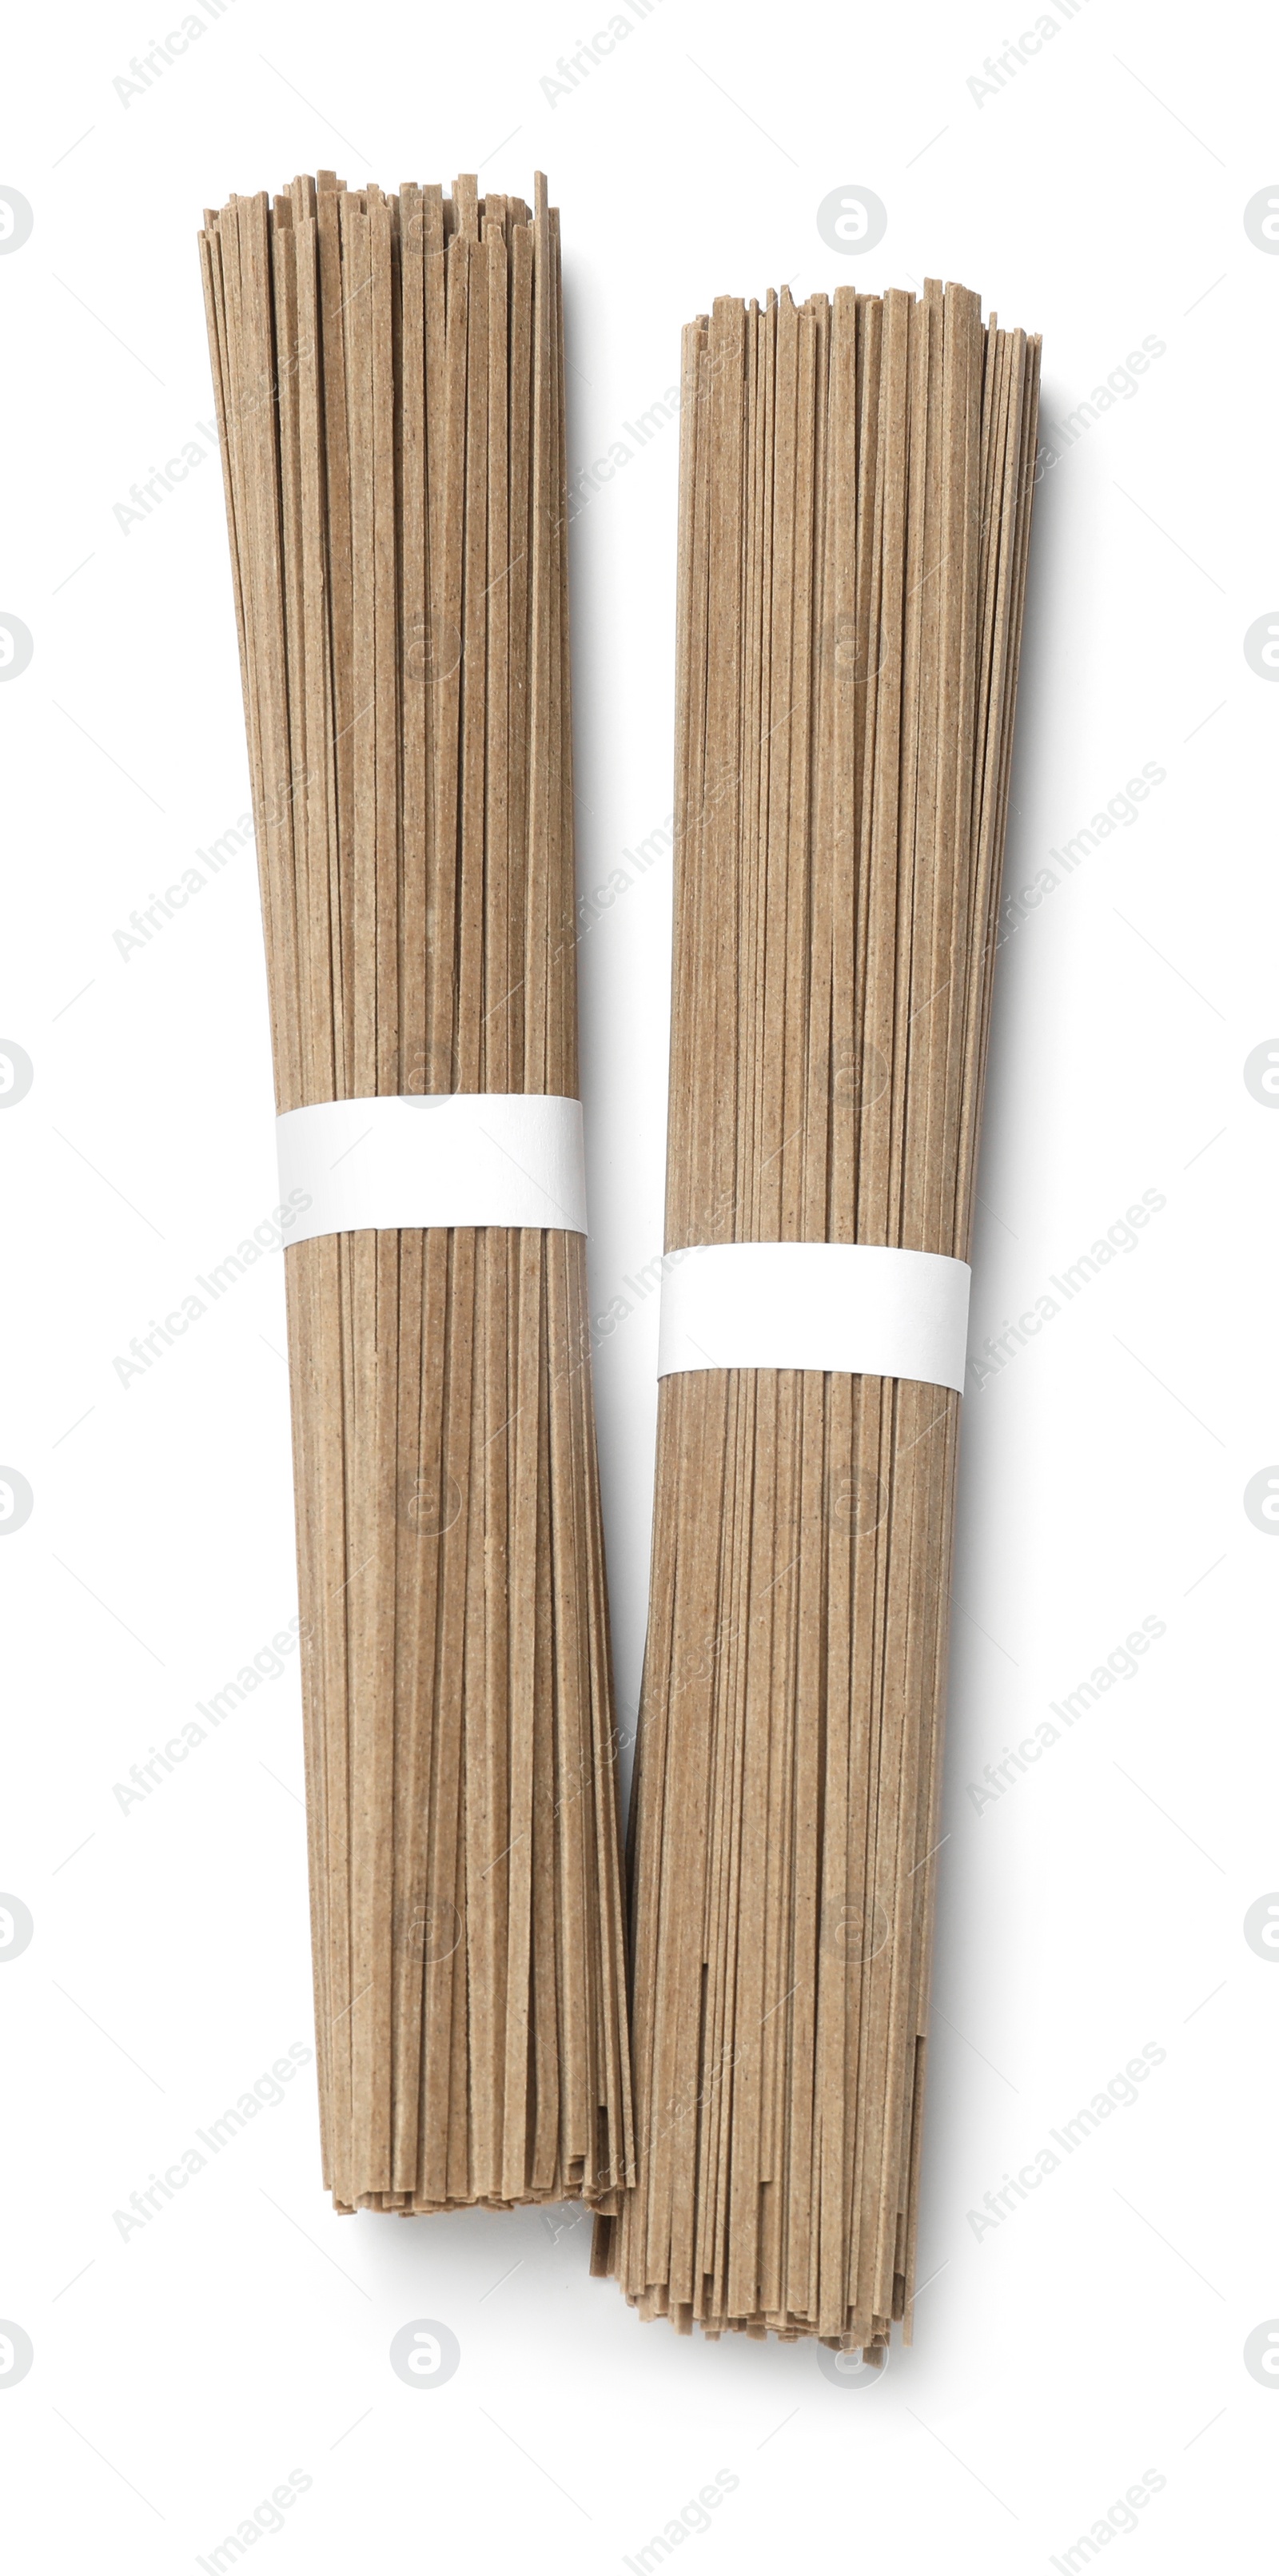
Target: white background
1097, 2332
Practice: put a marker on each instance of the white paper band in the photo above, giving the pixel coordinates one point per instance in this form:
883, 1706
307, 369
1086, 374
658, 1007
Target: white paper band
857, 1306
441, 1158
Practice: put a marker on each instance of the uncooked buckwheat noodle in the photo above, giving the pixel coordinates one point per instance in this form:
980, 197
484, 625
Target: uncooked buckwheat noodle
390, 397
855, 505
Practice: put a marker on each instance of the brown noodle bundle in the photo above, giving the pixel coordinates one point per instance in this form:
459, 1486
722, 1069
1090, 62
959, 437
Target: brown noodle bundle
389, 376
855, 504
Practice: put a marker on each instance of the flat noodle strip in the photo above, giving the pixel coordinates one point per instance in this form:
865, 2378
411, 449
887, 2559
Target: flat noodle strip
388, 373
854, 507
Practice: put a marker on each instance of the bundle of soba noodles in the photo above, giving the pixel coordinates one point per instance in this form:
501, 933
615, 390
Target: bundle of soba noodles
855, 501
389, 374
